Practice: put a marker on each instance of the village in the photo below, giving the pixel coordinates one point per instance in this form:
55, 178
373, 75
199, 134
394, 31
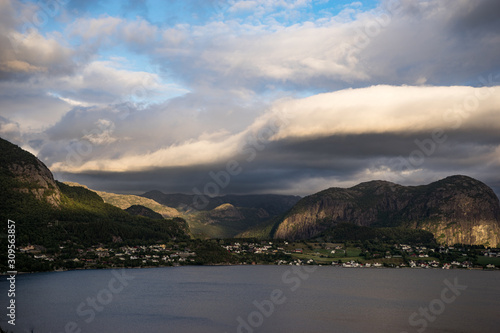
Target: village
277, 252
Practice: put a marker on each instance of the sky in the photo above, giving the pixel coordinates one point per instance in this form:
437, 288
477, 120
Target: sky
212, 97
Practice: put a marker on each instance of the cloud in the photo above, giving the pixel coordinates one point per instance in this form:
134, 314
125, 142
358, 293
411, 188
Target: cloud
10, 130
301, 95
389, 109
307, 165
104, 135
24, 50
34, 53
105, 82
34, 110
405, 134
96, 28
412, 42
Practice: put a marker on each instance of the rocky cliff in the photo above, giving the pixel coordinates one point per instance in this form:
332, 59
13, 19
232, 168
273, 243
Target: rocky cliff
27, 174
457, 209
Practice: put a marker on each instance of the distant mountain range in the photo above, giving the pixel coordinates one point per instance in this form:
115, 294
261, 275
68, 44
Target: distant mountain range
226, 216
457, 209
223, 217
272, 204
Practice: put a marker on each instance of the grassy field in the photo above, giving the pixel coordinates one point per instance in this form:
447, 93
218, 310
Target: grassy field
324, 256
482, 260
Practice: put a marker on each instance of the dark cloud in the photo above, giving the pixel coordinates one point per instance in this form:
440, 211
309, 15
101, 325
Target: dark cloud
303, 167
235, 68
479, 17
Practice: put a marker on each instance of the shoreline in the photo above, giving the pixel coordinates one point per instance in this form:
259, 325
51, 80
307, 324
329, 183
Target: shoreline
227, 264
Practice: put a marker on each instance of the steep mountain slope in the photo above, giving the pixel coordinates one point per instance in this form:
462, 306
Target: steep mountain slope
139, 210
51, 213
457, 209
124, 201
24, 173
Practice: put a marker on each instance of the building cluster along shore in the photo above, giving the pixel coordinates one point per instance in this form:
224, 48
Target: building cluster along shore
281, 252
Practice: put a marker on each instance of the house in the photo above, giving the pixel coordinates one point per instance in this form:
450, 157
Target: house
29, 248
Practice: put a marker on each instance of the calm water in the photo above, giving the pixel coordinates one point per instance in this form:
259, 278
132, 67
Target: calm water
256, 299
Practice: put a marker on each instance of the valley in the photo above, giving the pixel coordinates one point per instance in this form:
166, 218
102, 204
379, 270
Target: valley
450, 223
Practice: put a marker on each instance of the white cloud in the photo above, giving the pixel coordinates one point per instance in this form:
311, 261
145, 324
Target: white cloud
412, 43
114, 75
389, 109
194, 152
34, 53
101, 82
10, 130
107, 31
374, 110
243, 6
104, 133
95, 28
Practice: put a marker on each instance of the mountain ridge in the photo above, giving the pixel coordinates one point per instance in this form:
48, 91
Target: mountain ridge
456, 209
50, 213
183, 201
125, 201
226, 216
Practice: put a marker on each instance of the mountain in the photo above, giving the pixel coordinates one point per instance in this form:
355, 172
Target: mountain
226, 220
272, 204
124, 201
24, 173
139, 210
225, 216
178, 200
457, 209
49, 213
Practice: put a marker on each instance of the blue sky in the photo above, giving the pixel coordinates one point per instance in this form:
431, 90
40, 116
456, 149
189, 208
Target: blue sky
129, 96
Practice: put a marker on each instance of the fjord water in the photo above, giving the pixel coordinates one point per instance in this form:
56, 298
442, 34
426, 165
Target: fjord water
228, 298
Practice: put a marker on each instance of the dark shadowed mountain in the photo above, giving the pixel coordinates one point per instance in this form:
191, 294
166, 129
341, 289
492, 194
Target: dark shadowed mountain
225, 216
273, 204
143, 211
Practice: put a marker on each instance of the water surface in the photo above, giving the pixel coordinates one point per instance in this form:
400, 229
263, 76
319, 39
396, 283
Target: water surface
256, 299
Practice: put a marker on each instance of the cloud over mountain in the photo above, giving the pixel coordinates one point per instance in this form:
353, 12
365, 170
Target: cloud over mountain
309, 92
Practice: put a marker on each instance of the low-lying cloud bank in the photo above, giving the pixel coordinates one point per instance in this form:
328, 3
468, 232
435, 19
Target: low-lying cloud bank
405, 134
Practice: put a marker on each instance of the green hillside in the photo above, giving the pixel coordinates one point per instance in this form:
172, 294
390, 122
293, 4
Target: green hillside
78, 216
